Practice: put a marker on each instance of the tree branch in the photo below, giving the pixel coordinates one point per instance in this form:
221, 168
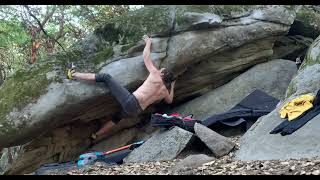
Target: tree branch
61, 23
40, 26
48, 16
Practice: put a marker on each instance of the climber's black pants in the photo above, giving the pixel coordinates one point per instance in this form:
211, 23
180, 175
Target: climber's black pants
129, 103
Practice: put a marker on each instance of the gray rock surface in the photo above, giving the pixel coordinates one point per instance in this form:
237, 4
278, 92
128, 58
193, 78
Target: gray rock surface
218, 144
161, 146
272, 77
291, 47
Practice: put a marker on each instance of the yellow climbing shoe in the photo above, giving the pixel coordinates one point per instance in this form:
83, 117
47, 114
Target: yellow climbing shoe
69, 74
93, 136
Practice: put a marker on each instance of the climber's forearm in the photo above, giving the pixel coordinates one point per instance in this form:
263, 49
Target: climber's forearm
147, 57
169, 98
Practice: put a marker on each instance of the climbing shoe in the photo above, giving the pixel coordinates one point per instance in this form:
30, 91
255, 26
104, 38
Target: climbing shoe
92, 138
70, 69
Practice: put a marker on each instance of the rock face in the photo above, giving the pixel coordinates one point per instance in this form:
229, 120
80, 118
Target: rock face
218, 144
162, 146
69, 100
190, 40
272, 77
291, 47
258, 144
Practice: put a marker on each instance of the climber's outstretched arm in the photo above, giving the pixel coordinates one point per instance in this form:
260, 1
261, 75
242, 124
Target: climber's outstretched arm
146, 55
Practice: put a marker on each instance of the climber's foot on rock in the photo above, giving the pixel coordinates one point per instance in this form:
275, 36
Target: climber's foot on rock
93, 139
71, 74
71, 71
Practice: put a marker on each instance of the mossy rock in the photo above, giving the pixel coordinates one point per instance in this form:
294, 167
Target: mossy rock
102, 56
24, 87
307, 23
313, 55
221, 10
312, 58
130, 27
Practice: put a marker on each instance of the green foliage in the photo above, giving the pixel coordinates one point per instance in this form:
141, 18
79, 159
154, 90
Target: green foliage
12, 33
103, 55
68, 24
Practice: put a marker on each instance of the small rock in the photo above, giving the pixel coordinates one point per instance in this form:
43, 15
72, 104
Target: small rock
316, 172
308, 164
284, 163
292, 168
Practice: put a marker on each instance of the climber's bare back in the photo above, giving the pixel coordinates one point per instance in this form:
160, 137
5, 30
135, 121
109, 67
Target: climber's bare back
152, 90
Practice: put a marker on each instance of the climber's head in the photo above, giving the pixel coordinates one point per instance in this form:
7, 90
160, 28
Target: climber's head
167, 76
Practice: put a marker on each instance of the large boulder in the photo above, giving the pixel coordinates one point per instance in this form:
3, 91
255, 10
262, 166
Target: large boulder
271, 77
258, 144
162, 146
36, 101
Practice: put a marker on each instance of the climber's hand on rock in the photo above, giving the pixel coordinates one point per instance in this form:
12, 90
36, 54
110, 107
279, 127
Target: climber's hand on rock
146, 39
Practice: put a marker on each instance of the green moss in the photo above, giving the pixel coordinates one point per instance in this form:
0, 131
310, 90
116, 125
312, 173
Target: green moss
181, 20
108, 32
308, 16
229, 9
223, 10
64, 59
291, 90
130, 27
23, 88
103, 55
307, 23
312, 56
126, 47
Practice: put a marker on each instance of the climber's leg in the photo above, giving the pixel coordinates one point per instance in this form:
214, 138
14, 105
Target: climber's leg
105, 129
129, 103
102, 132
119, 92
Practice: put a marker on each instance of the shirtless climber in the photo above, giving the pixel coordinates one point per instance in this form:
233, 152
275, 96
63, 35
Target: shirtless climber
158, 86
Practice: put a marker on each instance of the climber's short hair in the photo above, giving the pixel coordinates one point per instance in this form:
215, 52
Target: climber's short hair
167, 78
